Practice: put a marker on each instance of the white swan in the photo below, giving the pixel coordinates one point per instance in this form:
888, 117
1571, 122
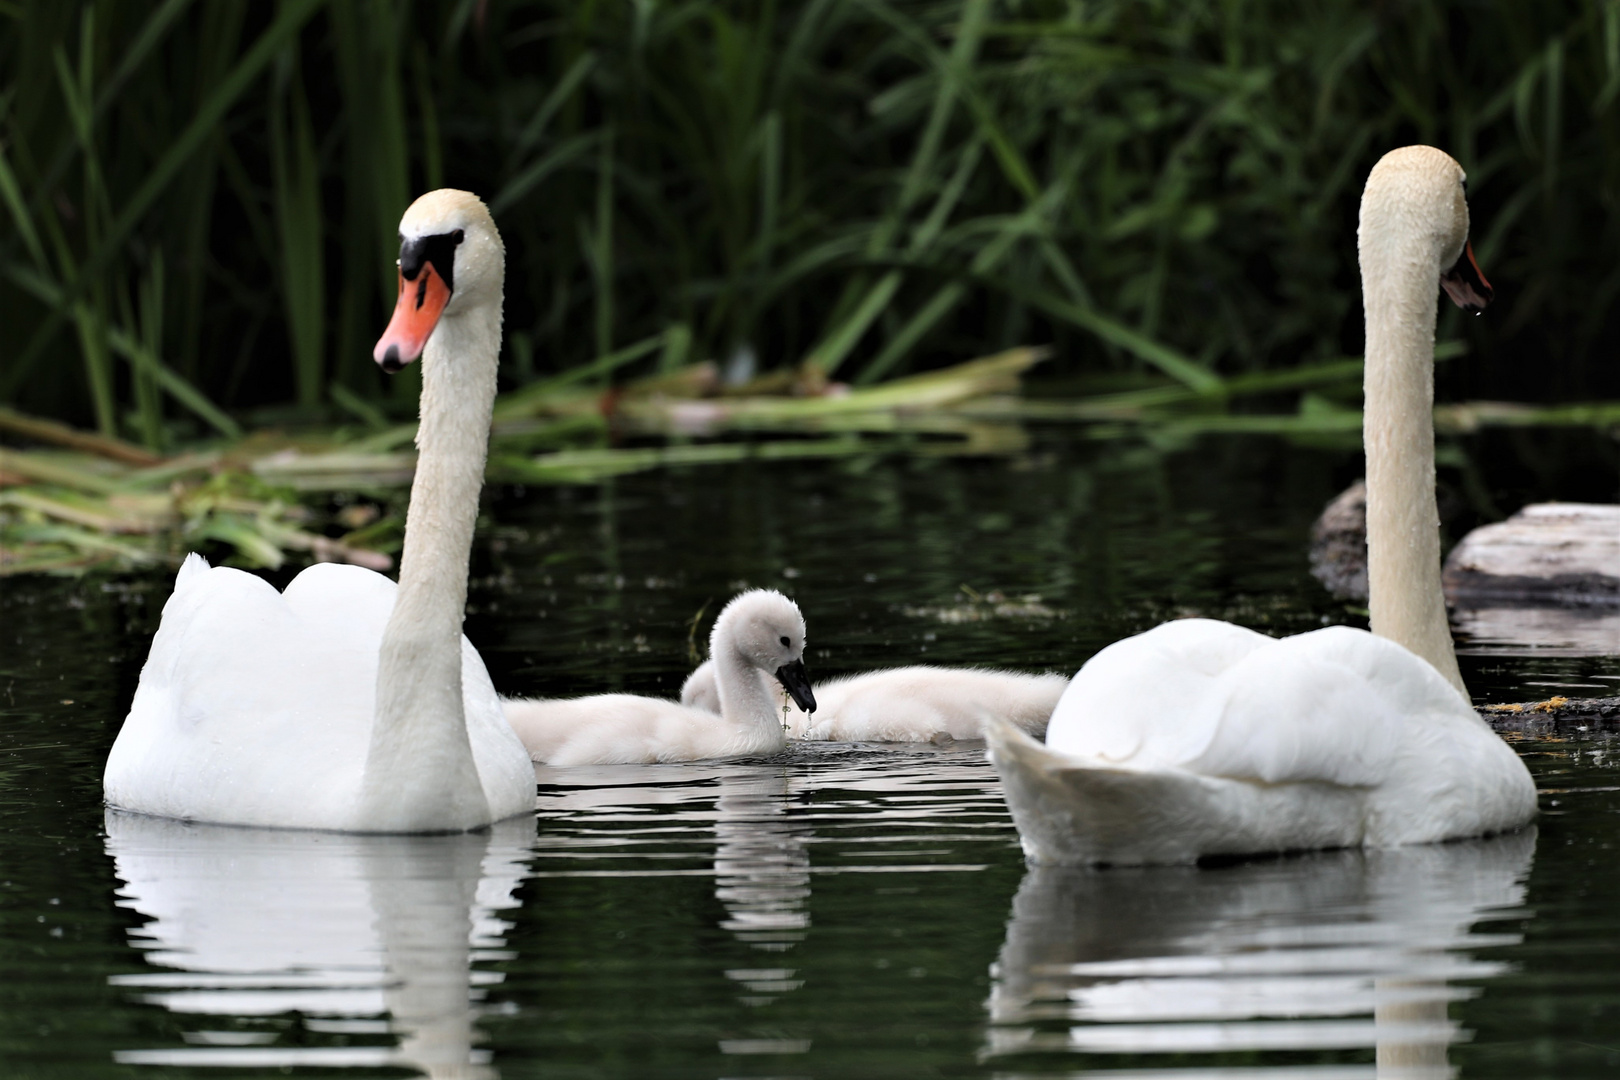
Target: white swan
1202, 738
346, 702
759, 632
921, 703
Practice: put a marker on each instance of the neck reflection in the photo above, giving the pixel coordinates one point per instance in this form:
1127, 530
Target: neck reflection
364, 940
761, 876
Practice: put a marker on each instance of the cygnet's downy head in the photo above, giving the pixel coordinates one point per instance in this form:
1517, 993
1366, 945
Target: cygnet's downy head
766, 630
451, 259
1421, 192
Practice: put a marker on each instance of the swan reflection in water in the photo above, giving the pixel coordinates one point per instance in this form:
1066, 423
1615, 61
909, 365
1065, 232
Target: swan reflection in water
367, 939
1338, 951
762, 877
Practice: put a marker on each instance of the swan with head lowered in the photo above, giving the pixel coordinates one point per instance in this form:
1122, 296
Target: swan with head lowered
1202, 738
760, 633
347, 702
920, 703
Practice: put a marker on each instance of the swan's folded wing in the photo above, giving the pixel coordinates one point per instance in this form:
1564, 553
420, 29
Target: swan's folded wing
1137, 702
1336, 706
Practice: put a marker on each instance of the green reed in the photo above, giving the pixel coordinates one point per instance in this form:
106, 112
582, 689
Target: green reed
198, 200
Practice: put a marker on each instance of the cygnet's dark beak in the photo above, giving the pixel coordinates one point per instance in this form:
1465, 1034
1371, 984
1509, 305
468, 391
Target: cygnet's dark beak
796, 681
1465, 283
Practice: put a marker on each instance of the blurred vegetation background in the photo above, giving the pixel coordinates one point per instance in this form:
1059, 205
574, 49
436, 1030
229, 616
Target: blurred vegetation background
200, 198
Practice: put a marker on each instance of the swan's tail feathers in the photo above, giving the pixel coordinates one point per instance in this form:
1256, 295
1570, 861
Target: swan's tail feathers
194, 566
1072, 813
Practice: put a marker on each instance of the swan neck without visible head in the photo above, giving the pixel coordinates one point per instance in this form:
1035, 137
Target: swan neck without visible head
1409, 233
420, 774
744, 691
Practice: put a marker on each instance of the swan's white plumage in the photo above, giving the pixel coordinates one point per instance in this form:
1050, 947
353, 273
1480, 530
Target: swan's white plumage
920, 703
1201, 738
627, 729
347, 702
908, 704
1327, 739
757, 633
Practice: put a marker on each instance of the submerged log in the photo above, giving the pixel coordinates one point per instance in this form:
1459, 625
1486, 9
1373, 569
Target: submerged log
1557, 714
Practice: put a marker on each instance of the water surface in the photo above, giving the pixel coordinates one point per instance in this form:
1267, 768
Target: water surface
843, 910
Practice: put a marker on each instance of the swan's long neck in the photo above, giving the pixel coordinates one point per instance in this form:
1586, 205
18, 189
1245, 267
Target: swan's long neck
1400, 287
420, 774
744, 691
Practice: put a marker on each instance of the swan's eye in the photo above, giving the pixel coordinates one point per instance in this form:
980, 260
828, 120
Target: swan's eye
786, 643
458, 236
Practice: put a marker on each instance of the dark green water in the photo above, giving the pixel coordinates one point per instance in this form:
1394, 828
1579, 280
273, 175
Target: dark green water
844, 911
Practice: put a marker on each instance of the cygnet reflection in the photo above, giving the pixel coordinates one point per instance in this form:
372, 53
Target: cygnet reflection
1332, 951
762, 876
367, 937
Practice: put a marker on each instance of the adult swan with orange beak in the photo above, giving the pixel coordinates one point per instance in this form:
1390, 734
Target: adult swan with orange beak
346, 702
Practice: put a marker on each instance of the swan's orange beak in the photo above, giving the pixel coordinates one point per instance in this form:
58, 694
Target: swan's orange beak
421, 301
1466, 285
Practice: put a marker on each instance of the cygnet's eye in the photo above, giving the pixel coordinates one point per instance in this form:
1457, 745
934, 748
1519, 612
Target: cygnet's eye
786, 643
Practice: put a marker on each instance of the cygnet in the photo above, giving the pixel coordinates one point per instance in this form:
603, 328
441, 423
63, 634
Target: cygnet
760, 633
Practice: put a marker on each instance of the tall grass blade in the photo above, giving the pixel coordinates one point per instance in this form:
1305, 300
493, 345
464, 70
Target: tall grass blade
148, 399
295, 171
601, 248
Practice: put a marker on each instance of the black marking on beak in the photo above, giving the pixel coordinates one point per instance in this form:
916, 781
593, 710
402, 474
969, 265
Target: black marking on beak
391, 362
440, 250
796, 681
